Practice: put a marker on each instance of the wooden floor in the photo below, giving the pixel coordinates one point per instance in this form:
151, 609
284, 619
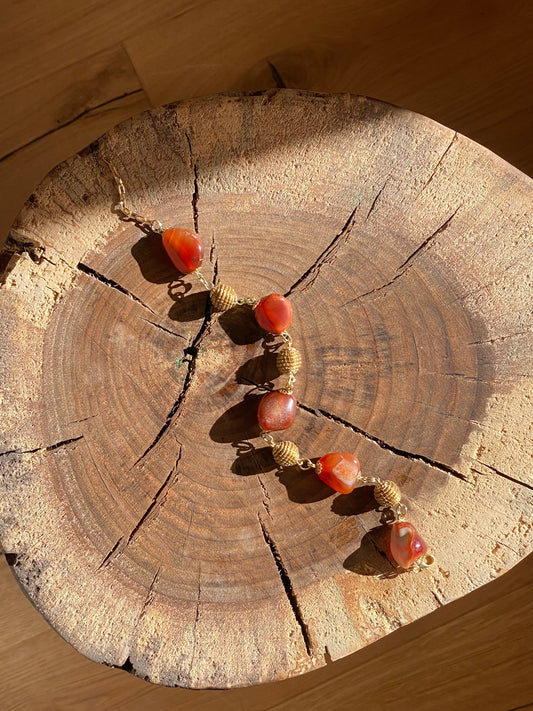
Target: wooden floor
474, 654
69, 71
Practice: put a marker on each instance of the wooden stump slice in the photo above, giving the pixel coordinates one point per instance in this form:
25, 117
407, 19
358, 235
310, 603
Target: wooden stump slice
141, 512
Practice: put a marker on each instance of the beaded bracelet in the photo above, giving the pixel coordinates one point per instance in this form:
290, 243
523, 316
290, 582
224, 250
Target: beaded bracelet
341, 471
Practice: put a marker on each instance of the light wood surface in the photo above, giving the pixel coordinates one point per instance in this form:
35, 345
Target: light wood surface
472, 654
145, 523
465, 64
70, 72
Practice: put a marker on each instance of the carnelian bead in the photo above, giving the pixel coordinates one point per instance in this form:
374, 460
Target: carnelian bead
276, 411
406, 545
274, 313
340, 470
184, 247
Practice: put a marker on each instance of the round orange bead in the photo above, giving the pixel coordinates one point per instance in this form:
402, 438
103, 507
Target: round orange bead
184, 247
276, 411
274, 313
340, 470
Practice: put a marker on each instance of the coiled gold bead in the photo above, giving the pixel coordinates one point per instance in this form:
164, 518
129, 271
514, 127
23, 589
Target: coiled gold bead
285, 453
223, 297
289, 360
387, 493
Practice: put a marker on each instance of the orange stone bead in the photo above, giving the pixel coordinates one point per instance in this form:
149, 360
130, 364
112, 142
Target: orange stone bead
274, 313
184, 247
276, 411
406, 545
340, 470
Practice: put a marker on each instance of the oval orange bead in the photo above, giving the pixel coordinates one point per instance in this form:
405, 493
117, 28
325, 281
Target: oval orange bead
340, 470
276, 411
274, 313
184, 247
406, 545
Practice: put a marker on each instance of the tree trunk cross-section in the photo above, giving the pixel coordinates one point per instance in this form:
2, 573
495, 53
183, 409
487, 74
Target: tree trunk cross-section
141, 512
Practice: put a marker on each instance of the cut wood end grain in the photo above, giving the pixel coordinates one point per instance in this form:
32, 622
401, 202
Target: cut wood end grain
148, 522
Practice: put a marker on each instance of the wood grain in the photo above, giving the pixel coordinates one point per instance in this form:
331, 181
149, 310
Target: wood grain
470, 650
187, 559
463, 64
80, 89
40, 39
21, 171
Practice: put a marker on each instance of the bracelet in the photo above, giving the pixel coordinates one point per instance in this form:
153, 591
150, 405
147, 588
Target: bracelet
405, 549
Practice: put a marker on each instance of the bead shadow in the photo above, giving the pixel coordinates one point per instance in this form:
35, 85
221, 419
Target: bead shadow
360, 500
370, 558
240, 325
303, 486
157, 268
250, 460
261, 370
237, 423
153, 260
186, 308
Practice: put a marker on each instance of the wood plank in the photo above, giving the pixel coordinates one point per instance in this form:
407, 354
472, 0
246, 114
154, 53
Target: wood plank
463, 64
467, 654
40, 38
64, 97
252, 35
21, 172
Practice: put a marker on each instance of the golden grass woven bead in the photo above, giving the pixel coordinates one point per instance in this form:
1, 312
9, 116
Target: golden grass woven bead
223, 297
387, 493
289, 360
285, 454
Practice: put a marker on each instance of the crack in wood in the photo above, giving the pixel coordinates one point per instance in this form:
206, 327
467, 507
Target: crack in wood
374, 202
13, 249
266, 496
158, 500
33, 249
149, 596
212, 253
193, 349
195, 194
426, 242
127, 666
113, 284
502, 474
162, 328
437, 598
500, 338
382, 444
63, 125
409, 455
287, 585
505, 545
276, 76
112, 553
407, 263
42, 450
317, 412
83, 419
437, 164
175, 410
328, 256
